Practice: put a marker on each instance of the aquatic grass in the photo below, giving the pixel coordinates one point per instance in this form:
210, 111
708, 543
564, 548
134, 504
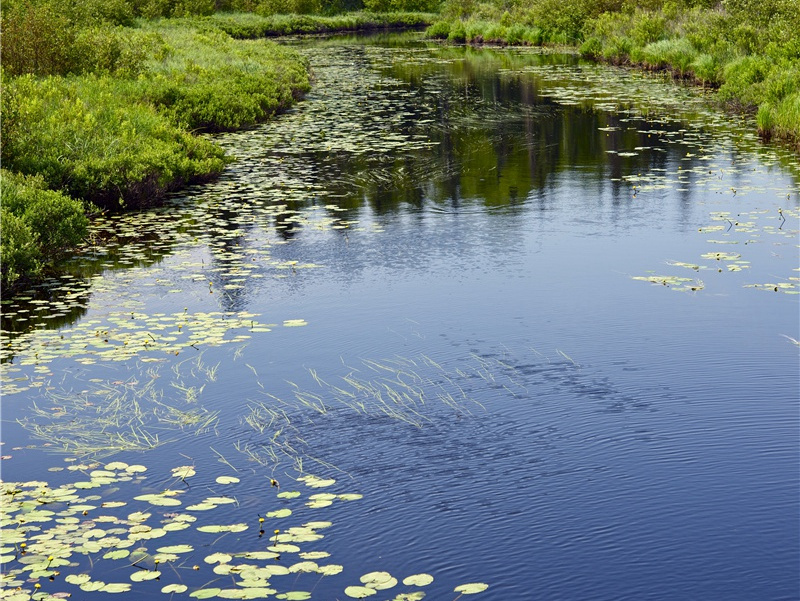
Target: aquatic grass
109, 417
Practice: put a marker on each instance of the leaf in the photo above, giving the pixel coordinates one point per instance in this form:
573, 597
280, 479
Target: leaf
288, 494
375, 577
330, 570
174, 588
216, 528
295, 596
159, 499
279, 513
143, 575
183, 472
227, 480
359, 592
418, 580
218, 558
116, 587
176, 549
205, 593
471, 588
77, 579
117, 554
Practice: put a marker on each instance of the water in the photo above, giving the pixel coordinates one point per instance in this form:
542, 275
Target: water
458, 233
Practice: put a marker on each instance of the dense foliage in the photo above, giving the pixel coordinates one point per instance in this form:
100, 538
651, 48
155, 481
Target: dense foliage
38, 225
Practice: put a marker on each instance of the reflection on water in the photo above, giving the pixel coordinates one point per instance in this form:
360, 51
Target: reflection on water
425, 282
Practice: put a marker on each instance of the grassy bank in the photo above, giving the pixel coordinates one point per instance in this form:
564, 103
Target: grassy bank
748, 51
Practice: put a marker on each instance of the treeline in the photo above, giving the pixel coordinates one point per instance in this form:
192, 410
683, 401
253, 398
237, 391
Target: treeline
749, 50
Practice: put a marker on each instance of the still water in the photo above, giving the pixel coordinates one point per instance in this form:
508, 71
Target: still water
536, 318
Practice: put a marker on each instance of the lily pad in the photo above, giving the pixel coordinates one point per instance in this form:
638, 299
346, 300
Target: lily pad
418, 580
471, 588
359, 592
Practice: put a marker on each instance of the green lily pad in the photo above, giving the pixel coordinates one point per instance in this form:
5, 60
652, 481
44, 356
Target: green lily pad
471, 588
184, 471
205, 593
216, 528
174, 588
143, 575
359, 592
176, 549
227, 480
116, 587
418, 580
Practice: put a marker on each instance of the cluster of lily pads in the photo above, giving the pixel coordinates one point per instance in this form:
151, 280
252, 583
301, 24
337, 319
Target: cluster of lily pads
58, 540
739, 231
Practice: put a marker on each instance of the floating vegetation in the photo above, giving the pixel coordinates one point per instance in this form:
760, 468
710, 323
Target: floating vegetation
674, 282
743, 230
127, 414
414, 391
58, 541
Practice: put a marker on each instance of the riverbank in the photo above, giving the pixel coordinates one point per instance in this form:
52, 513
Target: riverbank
749, 55
107, 117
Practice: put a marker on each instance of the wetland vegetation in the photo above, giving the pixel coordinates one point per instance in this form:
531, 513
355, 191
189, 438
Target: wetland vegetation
459, 312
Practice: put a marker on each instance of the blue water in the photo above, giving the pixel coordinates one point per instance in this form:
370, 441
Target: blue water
606, 438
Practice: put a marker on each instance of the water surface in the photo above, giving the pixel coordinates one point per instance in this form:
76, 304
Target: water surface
429, 282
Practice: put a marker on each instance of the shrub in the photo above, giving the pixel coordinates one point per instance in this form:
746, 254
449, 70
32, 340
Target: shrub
457, 33
38, 225
439, 30
706, 68
19, 255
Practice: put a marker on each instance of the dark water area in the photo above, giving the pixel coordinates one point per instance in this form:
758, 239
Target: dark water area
542, 314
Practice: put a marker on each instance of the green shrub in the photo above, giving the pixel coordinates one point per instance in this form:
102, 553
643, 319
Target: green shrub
457, 33
37, 225
706, 69
742, 78
19, 256
439, 30
648, 28
37, 39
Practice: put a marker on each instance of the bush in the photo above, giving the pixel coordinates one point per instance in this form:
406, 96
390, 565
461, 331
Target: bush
40, 40
439, 30
37, 225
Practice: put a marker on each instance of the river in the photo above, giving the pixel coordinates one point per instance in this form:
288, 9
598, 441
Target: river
496, 316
